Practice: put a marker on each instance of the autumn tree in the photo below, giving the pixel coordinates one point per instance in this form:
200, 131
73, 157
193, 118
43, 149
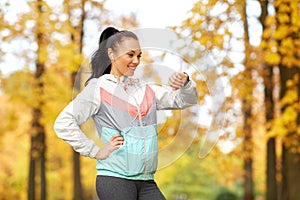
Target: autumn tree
220, 28
247, 109
214, 27
268, 75
31, 29
16, 96
76, 26
288, 41
283, 51
17, 29
37, 168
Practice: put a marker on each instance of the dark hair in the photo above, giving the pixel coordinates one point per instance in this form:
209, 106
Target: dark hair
109, 38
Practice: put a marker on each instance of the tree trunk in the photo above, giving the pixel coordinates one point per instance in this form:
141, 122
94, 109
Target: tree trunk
77, 39
271, 182
77, 187
37, 173
289, 82
290, 155
291, 175
247, 110
272, 192
248, 153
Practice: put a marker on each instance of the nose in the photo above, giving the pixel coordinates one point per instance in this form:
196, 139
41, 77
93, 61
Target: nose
136, 60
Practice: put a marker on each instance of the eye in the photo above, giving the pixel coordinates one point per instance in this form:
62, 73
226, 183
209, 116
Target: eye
130, 55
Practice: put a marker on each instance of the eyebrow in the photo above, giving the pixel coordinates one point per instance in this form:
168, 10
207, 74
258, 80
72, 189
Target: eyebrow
134, 51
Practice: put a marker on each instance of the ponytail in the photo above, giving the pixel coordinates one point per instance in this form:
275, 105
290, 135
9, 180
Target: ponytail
100, 62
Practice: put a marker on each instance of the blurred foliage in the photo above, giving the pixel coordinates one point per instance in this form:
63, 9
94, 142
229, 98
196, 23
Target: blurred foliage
281, 44
214, 27
225, 194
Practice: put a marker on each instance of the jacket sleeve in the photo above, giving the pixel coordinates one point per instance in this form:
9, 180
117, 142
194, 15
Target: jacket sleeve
179, 99
78, 111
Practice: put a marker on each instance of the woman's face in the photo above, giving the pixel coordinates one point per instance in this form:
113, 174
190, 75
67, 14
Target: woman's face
126, 57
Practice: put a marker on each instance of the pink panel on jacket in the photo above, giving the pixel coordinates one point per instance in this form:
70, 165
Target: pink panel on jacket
116, 102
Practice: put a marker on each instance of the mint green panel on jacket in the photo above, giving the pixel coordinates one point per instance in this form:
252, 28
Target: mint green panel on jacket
136, 158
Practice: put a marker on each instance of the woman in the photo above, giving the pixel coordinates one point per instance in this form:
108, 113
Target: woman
124, 112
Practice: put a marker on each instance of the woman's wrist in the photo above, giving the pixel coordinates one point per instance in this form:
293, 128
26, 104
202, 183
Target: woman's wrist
187, 78
98, 155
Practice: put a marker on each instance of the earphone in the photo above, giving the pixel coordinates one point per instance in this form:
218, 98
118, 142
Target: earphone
112, 57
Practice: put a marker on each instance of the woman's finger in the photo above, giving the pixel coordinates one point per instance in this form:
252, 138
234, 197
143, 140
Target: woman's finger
116, 140
175, 84
177, 80
115, 137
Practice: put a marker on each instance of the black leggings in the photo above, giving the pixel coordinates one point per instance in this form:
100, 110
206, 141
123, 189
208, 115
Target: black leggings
113, 188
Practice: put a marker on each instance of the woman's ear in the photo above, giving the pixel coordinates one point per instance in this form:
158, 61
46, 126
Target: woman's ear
110, 54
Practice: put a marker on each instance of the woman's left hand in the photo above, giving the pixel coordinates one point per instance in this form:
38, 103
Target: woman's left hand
177, 80
115, 142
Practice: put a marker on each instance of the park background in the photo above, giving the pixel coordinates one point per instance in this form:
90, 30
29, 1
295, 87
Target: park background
254, 46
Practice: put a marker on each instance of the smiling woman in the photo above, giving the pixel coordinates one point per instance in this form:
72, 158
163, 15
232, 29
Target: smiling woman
124, 110
118, 54
125, 58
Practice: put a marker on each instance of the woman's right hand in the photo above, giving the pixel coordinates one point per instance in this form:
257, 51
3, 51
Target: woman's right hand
178, 80
114, 143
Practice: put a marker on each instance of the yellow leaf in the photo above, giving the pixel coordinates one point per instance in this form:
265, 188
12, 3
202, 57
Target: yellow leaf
263, 44
272, 58
267, 33
283, 18
290, 97
281, 32
284, 8
270, 20
289, 116
204, 39
278, 129
288, 61
296, 21
287, 46
218, 41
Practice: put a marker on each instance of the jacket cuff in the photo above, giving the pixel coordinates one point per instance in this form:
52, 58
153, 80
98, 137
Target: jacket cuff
187, 84
94, 151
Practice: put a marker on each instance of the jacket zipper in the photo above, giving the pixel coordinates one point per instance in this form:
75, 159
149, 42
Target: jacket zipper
142, 126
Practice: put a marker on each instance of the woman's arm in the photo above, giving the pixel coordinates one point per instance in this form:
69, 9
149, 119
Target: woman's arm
78, 111
182, 94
